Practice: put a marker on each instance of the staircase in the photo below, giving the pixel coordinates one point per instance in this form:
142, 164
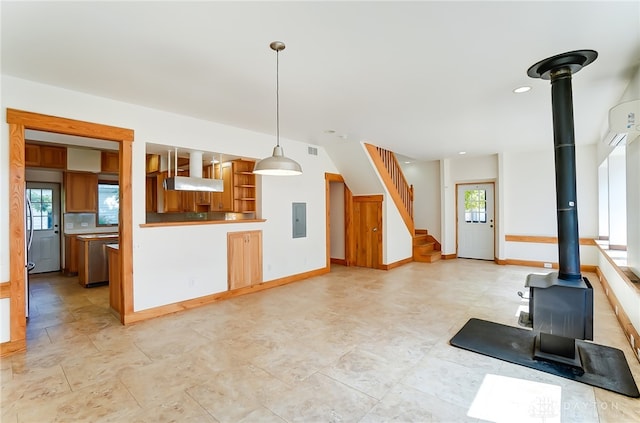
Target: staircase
425, 247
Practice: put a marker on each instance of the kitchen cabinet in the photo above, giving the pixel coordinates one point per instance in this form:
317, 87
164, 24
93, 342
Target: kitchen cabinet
168, 201
115, 288
151, 195
223, 201
92, 258
81, 192
244, 259
153, 163
47, 156
244, 186
70, 255
110, 162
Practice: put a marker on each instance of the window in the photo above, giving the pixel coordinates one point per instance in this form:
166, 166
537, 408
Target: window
475, 206
108, 203
41, 208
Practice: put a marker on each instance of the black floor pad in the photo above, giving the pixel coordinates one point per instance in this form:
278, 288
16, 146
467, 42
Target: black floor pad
603, 366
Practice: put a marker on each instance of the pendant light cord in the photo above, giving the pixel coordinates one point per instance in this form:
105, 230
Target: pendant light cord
278, 98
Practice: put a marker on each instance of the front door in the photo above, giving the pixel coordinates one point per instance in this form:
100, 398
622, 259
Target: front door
45, 218
476, 233
367, 224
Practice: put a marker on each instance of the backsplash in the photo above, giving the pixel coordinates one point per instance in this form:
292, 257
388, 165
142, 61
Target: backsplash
74, 221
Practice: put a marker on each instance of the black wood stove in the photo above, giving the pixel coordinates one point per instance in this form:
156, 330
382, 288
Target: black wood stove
560, 318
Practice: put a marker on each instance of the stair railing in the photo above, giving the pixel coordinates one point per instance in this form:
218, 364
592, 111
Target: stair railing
401, 192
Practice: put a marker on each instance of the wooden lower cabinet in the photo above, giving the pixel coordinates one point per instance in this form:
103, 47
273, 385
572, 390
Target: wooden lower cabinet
115, 288
244, 259
71, 255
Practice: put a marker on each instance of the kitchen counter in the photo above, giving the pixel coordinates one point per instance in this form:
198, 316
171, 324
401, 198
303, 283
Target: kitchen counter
93, 267
93, 237
93, 230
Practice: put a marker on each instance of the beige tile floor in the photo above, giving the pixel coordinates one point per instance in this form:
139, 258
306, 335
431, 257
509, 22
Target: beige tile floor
355, 345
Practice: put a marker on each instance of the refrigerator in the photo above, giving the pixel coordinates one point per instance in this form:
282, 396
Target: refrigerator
28, 264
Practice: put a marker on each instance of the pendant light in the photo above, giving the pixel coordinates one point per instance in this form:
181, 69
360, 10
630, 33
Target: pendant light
277, 164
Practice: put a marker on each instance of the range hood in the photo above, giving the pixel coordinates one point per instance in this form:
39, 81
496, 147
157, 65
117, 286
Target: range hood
194, 182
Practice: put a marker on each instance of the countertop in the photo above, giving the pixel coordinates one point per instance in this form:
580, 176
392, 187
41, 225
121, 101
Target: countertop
98, 230
94, 237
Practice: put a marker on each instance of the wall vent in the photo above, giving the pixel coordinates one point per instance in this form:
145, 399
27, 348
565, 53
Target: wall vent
313, 151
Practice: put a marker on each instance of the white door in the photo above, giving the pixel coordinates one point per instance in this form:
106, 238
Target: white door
45, 210
476, 233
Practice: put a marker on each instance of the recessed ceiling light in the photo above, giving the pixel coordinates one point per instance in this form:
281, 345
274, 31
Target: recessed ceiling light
522, 89
329, 131
462, 152
407, 162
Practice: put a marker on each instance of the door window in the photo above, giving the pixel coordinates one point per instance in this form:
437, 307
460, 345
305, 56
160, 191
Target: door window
41, 208
475, 206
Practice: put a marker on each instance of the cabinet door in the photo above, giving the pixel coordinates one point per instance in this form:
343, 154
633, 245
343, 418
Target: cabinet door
253, 257
110, 162
244, 258
71, 254
151, 195
81, 192
53, 157
223, 201
31, 155
235, 260
153, 163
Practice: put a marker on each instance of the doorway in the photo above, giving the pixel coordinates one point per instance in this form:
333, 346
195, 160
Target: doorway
475, 215
44, 220
19, 121
367, 226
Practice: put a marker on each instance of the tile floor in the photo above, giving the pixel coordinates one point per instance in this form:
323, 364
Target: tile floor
355, 345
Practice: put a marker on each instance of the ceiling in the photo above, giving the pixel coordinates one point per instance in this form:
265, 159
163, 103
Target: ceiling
424, 79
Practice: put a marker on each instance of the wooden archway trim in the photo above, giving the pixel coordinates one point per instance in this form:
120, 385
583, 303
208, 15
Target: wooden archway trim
19, 121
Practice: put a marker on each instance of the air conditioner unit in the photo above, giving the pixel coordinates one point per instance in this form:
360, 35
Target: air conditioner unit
624, 123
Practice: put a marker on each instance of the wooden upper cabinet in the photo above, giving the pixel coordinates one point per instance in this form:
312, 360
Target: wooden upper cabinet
223, 201
31, 155
168, 201
153, 163
81, 192
48, 156
110, 162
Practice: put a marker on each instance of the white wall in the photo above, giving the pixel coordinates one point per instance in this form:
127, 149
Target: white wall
177, 263
633, 206
603, 200
425, 178
456, 171
530, 202
617, 197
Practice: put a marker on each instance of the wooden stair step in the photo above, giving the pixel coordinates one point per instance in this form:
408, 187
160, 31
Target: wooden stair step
427, 257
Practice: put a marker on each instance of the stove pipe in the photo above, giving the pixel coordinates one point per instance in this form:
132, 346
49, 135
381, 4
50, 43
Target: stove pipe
559, 69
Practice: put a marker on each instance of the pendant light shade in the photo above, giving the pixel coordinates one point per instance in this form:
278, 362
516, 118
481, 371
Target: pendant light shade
277, 163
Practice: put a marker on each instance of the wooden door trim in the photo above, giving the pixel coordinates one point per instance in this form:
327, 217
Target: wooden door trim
348, 213
19, 121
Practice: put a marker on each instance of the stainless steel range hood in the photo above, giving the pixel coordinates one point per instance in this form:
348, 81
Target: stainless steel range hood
194, 182
190, 183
